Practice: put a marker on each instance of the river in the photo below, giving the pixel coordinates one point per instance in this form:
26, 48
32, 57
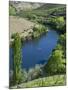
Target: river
37, 51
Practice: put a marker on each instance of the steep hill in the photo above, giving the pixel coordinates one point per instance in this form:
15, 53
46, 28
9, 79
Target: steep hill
19, 5
48, 6
28, 9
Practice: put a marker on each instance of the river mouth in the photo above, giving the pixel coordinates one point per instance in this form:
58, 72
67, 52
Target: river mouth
37, 51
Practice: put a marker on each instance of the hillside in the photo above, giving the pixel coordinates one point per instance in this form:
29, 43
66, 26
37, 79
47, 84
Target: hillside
46, 81
40, 9
20, 14
19, 5
19, 25
47, 6
44, 11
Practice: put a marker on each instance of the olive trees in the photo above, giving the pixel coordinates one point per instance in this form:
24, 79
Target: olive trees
17, 59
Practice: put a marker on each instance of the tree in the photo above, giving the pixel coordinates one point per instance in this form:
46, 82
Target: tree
56, 63
58, 23
59, 47
12, 10
17, 59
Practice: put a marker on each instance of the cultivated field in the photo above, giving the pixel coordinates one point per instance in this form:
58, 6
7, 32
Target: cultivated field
19, 25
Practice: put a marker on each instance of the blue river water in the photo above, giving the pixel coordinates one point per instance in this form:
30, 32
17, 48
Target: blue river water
37, 51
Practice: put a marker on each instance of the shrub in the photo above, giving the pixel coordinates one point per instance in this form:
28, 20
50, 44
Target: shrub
12, 10
34, 73
13, 35
39, 30
24, 75
58, 23
59, 47
55, 63
62, 41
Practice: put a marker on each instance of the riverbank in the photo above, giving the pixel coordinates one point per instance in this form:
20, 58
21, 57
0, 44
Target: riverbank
37, 51
27, 30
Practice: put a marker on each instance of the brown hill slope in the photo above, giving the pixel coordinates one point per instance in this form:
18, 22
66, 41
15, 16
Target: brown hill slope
19, 25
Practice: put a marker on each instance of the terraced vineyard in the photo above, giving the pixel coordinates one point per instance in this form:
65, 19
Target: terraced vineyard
46, 81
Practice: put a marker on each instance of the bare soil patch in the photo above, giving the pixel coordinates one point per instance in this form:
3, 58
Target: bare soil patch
19, 25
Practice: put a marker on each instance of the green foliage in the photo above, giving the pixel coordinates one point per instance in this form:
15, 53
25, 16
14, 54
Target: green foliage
32, 17
58, 47
13, 35
58, 23
62, 42
34, 73
39, 30
55, 63
17, 74
43, 11
12, 10
24, 76
51, 6
46, 81
62, 39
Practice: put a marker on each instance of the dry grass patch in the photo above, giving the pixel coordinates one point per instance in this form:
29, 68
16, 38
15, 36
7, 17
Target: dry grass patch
19, 25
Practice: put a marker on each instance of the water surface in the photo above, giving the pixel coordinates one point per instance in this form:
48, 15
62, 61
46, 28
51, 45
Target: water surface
37, 51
